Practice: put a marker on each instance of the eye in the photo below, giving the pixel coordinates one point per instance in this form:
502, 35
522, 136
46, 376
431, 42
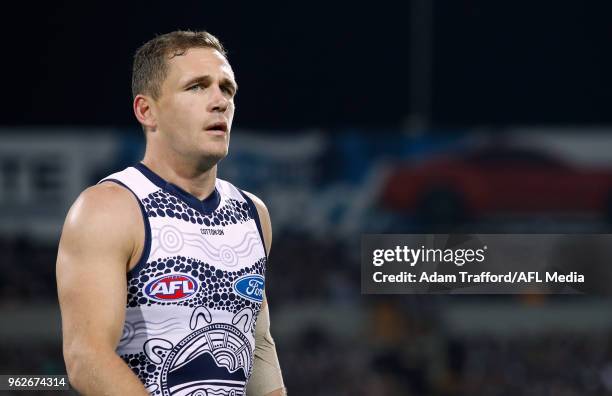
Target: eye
195, 87
229, 90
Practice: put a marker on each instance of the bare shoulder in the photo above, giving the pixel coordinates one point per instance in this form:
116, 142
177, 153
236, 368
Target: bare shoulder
264, 218
103, 203
107, 195
260, 205
105, 214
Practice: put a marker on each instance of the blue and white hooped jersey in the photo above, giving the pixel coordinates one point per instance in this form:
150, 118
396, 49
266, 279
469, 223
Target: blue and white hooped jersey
194, 296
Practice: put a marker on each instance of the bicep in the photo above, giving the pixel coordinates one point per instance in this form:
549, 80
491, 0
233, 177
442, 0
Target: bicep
91, 273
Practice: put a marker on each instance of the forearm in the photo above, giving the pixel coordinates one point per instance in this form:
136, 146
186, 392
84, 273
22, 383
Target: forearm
267, 378
102, 373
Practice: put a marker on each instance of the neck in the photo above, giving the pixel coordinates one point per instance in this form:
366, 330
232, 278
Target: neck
198, 179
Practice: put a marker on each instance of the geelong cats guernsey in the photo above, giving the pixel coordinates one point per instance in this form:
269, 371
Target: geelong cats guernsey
194, 296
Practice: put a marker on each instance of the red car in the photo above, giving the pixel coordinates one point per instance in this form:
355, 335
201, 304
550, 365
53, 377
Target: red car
496, 180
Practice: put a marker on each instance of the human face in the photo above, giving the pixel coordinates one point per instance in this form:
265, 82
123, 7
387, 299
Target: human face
195, 108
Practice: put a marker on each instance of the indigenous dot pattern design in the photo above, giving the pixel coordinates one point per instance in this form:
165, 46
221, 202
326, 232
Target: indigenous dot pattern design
146, 370
209, 309
163, 204
215, 285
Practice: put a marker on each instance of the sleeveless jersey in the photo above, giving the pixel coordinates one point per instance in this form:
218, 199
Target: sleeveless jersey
194, 296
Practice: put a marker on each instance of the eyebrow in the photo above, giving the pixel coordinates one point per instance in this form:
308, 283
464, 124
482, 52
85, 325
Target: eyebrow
206, 79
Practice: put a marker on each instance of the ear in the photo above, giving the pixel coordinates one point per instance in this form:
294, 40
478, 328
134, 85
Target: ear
144, 111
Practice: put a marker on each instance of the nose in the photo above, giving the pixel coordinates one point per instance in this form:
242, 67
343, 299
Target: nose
219, 102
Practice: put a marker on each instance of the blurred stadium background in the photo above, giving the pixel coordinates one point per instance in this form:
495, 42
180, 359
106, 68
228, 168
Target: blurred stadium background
462, 116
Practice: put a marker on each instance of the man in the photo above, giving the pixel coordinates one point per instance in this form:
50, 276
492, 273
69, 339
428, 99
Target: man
161, 266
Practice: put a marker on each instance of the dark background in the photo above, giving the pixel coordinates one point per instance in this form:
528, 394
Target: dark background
380, 84
322, 64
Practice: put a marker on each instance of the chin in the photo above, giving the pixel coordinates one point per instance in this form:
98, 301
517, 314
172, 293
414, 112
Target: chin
213, 156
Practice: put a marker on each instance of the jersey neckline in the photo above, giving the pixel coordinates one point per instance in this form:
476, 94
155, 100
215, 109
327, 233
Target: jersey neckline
205, 206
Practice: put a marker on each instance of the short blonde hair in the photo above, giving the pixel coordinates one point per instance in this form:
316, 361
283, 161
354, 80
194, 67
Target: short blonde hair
150, 67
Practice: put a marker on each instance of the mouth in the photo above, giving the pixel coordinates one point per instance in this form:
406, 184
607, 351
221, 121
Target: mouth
219, 127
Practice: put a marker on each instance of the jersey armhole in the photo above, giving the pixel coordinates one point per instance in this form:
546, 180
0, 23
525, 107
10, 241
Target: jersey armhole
255, 216
146, 249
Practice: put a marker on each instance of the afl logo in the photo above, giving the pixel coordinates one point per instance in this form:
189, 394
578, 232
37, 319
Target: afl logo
250, 287
171, 288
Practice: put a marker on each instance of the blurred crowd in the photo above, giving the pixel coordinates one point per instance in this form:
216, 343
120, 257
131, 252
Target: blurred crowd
398, 345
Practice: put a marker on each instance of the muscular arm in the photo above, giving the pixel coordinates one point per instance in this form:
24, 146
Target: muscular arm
267, 379
97, 243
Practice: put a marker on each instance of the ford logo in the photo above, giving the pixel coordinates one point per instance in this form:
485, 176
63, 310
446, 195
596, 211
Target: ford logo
250, 287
